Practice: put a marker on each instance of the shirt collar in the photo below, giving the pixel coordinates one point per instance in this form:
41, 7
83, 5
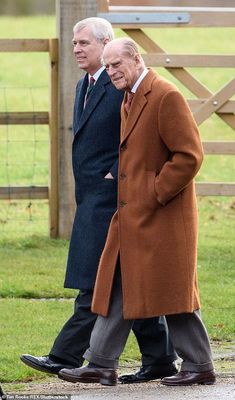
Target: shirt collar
97, 73
139, 80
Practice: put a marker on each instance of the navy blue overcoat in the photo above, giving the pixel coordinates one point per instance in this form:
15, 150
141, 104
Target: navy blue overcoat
94, 154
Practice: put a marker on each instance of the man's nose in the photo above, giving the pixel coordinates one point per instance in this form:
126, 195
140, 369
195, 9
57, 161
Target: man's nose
111, 70
76, 48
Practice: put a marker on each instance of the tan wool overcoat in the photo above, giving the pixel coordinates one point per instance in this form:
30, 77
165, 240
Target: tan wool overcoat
155, 226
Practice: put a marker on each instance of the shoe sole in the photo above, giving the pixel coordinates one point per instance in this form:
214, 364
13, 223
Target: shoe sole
37, 367
102, 381
189, 384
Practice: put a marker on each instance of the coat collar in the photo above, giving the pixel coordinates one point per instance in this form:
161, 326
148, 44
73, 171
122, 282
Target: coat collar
138, 103
97, 94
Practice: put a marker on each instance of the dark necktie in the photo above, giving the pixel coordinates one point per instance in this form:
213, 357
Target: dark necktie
127, 105
89, 89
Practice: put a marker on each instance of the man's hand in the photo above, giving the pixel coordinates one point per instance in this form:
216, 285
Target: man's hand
109, 176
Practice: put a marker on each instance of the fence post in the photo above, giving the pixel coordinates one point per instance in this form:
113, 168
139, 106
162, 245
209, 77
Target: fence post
68, 13
53, 129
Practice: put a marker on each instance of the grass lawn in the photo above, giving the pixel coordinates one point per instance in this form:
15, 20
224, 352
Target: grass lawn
36, 268
216, 255
32, 266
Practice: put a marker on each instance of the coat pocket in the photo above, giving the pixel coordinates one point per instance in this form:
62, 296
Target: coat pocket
152, 197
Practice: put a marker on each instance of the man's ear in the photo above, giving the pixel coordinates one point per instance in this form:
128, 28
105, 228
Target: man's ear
138, 59
105, 41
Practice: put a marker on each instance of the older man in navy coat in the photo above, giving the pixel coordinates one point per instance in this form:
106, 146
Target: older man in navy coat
96, 129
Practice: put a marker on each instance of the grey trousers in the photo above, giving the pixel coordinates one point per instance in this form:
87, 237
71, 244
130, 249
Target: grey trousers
110, 334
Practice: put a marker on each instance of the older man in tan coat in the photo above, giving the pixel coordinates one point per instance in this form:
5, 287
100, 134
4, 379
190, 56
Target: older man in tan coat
148, 266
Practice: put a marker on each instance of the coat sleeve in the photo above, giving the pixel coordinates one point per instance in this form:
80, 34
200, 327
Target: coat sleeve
179, 132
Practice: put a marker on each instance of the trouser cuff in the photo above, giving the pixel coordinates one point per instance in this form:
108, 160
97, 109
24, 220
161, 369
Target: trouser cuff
99, 360
191, 367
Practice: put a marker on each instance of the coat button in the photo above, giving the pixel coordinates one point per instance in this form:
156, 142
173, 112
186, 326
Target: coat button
123, 175
122, 203
123, 147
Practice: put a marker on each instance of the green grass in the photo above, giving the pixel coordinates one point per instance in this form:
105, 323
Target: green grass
32, 265
216, 265
28, 326
25, 69
36, 270
22, 218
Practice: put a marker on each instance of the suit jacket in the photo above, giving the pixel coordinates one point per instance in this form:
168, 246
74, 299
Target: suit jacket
155, 226
94, 153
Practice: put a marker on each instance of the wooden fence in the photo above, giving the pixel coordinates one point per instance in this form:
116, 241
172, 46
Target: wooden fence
49, 118
132, 16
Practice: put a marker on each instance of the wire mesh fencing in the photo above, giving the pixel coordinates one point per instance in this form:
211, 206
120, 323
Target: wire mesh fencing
24, 162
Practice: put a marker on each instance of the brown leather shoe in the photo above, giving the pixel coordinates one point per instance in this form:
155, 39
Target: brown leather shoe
185, 378
105, 376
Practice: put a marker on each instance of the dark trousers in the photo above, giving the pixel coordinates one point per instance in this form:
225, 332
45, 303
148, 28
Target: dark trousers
74, 338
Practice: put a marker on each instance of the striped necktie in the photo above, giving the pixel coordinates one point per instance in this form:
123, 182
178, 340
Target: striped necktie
89, 89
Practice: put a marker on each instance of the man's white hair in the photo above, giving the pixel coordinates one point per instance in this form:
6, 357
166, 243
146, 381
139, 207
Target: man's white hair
128, 47
100, 27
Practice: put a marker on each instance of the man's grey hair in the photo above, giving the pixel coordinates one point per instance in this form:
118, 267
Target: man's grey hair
100, 28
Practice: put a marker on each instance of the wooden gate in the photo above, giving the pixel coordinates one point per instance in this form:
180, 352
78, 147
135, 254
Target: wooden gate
31, 118
132, 16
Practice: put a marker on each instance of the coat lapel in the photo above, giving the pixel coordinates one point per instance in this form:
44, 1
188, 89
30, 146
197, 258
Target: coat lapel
139, 102
97, 94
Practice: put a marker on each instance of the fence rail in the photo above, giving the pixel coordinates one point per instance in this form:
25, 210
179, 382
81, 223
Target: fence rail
25, 45
24, 118
134, 13
24, 192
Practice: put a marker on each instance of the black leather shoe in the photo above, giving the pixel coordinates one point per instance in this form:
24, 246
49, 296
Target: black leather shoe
105, 376
186, 378
44, 363
149, 373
